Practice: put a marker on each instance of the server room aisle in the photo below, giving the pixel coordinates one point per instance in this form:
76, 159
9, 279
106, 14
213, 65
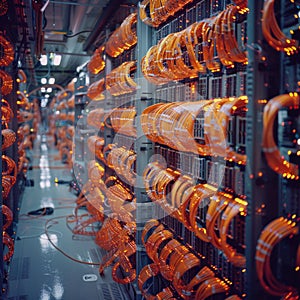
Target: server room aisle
38, 271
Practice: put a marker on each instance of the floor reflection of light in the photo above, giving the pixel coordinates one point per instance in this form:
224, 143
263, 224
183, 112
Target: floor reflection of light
55, 292
45, 177
45, 293
46, 246
58, 289
47, 201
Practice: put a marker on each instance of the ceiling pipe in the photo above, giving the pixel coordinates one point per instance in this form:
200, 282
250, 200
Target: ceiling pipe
75, 3
108, 11
75, 26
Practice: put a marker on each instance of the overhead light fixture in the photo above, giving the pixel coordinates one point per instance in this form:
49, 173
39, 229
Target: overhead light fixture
49, 90
56, 59
44, 102
44, 80
44, 60
47, 96
51, 80
43, 90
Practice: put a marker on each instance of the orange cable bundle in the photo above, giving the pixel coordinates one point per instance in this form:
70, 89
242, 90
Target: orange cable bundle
150, 68
122, 161
125, 263
273, 34
121, 201
197, 199
6, 211
6, 112
9, 243
147, 272
96, 89
71, 102
6, 83
217, 117
7, 52
3, 7
274, 233
97, 62
23, 101
233, 209
241, 3
9, 168
167, 61
173, 261
22, 78
92, 198
274, 158
95, 145
123, 121
119, 81
8, 138
95, 118
123, 38
159, 11
211, 287
172, 124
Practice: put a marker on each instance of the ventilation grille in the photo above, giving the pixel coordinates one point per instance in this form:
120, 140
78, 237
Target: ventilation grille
20, 269
112, 291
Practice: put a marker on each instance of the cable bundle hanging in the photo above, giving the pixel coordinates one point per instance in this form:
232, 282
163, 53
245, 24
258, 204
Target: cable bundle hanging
123, 161
172, 124
96, 89
274, 158
274, 233
273, 34
155, 12
174, 261
6, 83
95, 145
177, 194
119, 81
118, 239
167, 61
123, 121
7, 52
123, 38
95, 118
97, 62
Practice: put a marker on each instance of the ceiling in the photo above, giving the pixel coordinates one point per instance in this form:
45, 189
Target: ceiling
66, 27
71, 28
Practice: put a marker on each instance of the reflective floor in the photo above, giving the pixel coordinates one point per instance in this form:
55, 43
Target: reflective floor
38, 271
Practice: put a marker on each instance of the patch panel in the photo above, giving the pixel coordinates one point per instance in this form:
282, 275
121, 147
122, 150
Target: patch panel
240, 133
203, 87
241, 83
215, 87
227, 182
239, 181
191, 16
199, 168
203, 9
199, 128
231, 85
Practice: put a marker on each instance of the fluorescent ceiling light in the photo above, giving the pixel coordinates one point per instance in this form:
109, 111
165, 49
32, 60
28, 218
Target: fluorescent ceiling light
43, 90
44, 80
56, 59
51, 80
47, 96
43, 60
49, 90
